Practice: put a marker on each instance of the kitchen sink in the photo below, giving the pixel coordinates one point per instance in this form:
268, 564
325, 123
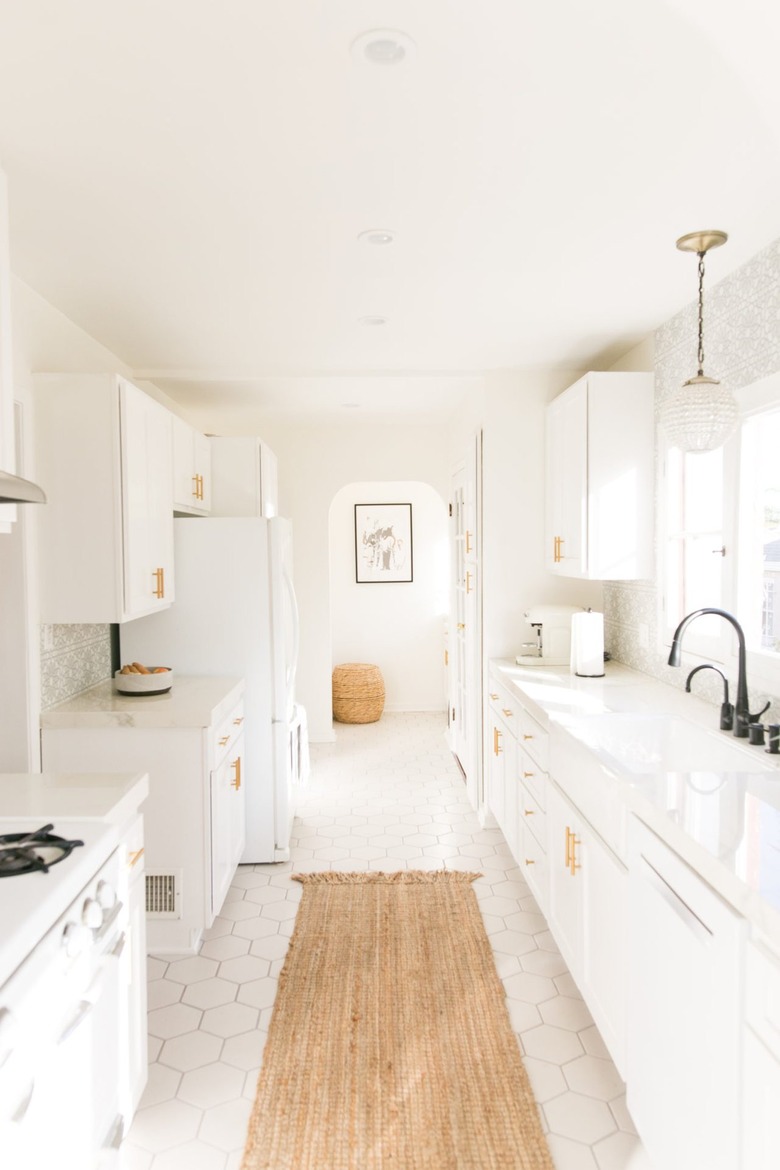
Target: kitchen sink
648, 743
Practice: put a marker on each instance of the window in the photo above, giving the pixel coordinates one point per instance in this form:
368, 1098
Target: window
722, 538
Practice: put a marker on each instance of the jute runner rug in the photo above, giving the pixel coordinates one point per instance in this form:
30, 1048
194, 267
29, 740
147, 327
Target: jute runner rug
390, 1046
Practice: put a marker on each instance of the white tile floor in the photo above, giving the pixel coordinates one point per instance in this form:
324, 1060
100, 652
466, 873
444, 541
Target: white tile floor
384, 796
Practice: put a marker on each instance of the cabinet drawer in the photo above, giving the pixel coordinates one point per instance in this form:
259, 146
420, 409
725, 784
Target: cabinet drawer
762, 996
503, 706
533, 863
532, 776
226, 733
532, 816
533, 738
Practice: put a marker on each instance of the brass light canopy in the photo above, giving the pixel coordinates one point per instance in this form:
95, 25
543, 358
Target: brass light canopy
701, 414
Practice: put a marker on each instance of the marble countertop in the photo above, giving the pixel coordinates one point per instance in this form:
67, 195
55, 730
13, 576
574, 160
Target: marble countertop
724, 823
109, 797
191, 702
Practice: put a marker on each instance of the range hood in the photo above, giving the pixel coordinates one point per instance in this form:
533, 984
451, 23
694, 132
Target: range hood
15, 490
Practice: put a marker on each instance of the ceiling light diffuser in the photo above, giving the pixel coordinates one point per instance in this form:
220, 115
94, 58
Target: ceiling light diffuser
383, 46
378, 236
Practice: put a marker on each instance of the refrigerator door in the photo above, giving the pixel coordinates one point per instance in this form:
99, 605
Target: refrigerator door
229, 596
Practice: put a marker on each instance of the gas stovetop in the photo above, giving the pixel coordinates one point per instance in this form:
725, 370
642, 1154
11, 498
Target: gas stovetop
31, 851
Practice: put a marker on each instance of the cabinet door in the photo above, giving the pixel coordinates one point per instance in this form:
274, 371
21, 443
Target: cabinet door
564, 838
566, 481
227, 822
147, 519
202, 468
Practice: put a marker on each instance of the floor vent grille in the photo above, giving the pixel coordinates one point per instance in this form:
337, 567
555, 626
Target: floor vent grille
163, 895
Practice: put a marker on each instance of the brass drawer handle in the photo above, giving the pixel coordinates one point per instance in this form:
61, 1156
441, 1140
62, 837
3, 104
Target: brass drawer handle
223, 740
508, 714
527, 737
236, 781
134, 857
239, 721
529, 812
159, 589
529, 862
527, 774
493, 698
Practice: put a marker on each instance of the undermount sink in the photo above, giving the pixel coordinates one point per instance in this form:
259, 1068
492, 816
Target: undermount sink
648, 743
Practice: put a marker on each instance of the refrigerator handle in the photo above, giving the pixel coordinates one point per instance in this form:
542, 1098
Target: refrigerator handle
292, 665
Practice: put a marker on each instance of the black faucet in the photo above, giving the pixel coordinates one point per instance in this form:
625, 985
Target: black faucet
742, 716
726, 708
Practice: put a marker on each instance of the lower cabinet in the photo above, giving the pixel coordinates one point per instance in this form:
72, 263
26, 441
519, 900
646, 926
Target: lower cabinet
193, 816
761, 1061
686, 947
227, 822
588, 916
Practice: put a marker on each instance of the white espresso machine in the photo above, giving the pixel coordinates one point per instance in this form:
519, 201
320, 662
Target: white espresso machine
552, 626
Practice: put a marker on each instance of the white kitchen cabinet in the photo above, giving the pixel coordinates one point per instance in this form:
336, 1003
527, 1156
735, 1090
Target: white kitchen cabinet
104, 459
599, 478
588, 890
684, 1020
133, 1025
761, 1060
245, 477
7, 445
191, 744
191, 469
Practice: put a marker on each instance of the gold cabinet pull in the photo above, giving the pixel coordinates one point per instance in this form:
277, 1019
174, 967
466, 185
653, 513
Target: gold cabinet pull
196, 489
223, 740
508, 714
200, 477
236, 781
557, 551
494, 697
528, 861
468, 542
468, 581
496, 736
446, 658
134, 857
238, 721
527, 736
159, 589
461, 625
529, 812
527, 774
572, 841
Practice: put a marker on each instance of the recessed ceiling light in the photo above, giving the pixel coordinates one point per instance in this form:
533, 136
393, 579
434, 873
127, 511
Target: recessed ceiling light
383, 46
377, 236
372, 320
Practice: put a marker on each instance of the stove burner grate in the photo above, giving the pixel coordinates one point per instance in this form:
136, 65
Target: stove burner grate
33, 852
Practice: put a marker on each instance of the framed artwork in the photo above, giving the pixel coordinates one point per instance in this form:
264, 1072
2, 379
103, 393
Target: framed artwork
383, 543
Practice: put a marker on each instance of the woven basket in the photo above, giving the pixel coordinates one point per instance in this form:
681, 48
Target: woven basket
358, 693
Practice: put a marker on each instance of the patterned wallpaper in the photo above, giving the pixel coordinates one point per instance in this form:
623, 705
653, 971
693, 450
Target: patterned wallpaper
742, 344
73, 658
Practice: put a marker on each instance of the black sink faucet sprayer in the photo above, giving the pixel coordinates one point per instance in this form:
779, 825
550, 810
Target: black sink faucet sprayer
726, 708
742, 716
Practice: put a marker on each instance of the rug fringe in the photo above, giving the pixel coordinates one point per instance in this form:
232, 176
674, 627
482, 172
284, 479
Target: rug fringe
377, 877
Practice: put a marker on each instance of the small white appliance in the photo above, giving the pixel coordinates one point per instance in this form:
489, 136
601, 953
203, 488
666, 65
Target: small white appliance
552, 626
235, 615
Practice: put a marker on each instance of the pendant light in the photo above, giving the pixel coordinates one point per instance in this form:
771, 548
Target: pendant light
701, 414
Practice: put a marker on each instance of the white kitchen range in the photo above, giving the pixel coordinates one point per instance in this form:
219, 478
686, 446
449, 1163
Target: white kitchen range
72, 967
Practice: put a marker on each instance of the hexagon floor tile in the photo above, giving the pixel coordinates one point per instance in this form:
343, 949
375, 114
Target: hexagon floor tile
384, 796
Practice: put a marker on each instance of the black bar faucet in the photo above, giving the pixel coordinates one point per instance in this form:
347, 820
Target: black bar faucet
726, 708
742, 716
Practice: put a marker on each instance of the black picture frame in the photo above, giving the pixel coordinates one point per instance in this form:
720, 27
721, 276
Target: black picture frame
383, 544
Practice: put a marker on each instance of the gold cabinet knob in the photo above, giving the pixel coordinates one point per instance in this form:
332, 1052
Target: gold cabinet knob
236, 781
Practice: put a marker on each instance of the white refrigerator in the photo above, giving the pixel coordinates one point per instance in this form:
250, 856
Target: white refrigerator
235, 615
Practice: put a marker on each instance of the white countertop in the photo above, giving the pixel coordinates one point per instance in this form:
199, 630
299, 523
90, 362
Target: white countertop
191, 702
724, 824
90, 808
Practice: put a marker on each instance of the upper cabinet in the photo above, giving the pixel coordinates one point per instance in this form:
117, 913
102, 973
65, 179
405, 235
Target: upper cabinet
599, 478
104, 459
191, 469
245, 477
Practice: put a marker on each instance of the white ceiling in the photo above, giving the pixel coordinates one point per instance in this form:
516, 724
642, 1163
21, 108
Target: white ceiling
188, 180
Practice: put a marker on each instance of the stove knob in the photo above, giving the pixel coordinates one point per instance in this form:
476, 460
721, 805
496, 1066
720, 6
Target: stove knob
92, 914
76, 938
106, 895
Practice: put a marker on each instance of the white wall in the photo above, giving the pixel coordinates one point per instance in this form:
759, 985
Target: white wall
397, 626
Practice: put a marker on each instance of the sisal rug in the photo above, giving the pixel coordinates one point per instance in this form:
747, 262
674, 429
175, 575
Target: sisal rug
390, 1046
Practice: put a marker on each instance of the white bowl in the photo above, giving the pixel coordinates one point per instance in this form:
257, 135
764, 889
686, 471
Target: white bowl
143, 684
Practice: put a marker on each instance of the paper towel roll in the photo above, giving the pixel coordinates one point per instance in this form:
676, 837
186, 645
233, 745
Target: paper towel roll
587, 644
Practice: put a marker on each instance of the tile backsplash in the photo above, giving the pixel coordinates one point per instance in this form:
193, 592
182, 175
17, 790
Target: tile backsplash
742, 340
73, 658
